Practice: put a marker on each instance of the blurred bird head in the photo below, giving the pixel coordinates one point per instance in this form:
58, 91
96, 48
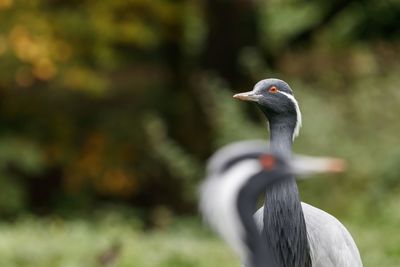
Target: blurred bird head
255, 150
236, 175
276, 100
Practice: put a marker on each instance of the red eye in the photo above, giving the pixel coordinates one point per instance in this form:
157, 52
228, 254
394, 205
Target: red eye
273, 89
267, 162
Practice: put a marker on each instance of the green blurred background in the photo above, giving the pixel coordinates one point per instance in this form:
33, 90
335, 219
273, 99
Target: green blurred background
109, 109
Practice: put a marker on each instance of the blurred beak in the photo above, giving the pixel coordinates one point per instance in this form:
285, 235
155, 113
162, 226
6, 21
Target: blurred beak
247, 96
305, 165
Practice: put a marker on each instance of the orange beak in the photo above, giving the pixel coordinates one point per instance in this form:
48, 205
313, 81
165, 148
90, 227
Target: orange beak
307, 165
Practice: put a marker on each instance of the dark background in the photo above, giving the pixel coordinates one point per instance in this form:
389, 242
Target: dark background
116, 105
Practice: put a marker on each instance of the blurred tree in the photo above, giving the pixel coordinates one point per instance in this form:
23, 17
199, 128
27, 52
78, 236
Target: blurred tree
122, 100
232, 26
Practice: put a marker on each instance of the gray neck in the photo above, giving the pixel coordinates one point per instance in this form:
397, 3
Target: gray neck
284, 225
281, 136
261, 253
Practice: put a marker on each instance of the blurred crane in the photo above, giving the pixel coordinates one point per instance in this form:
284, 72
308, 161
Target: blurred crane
236, 175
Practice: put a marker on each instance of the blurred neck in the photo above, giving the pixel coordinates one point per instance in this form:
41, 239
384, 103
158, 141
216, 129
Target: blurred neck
261, 254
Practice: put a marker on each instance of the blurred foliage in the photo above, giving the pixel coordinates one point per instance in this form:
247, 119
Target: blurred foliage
122, 101
16, 157
122, 243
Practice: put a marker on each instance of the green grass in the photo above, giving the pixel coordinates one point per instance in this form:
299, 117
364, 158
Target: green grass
57, 243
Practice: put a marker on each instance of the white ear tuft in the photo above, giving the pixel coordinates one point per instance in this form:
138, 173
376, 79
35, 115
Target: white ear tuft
296, 130
218, 203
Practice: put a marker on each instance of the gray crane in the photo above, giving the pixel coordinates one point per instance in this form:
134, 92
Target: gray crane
236, 175
300, 234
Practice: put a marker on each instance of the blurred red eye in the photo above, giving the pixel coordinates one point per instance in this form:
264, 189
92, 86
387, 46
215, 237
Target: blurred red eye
273, 89
267, 162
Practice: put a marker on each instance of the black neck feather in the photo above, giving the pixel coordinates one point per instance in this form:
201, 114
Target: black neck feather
284, 225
